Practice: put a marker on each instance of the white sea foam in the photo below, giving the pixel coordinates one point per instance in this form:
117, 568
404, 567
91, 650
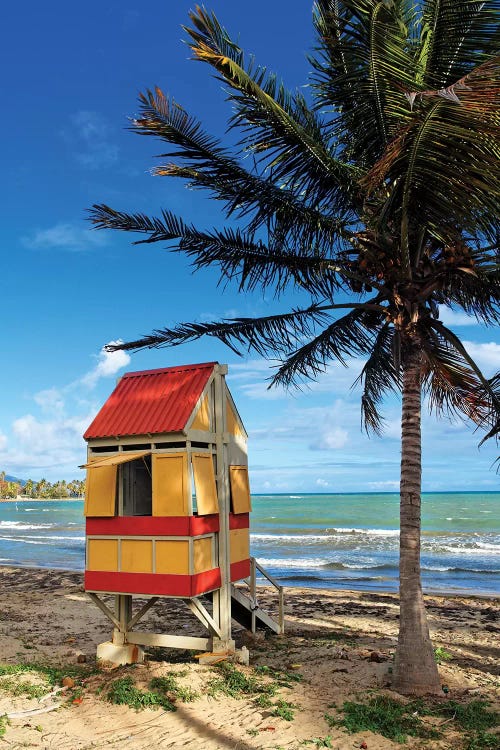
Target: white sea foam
19, 539
296, 562
25, 526
44, 537
485, 545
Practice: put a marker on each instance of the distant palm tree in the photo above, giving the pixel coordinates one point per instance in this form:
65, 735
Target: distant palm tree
379, 199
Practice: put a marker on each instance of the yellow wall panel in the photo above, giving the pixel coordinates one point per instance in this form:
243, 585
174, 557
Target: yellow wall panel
232, 424
202, 555
136, 556
240, 489
171, 486
172, 557
239, 544
102, 554
202, 417
100, 491
204, 482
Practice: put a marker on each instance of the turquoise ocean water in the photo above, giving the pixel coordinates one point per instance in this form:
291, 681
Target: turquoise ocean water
341, 541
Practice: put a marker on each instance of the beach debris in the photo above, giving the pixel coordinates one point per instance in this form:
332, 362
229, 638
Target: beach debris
341, 653
32, 711
68, 682
81, 659
363, 745
376, 657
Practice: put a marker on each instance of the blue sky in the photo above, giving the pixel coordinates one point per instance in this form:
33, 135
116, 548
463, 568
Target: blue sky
71, 75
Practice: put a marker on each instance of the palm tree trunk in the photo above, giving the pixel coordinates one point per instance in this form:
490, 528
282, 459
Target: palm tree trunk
415, 670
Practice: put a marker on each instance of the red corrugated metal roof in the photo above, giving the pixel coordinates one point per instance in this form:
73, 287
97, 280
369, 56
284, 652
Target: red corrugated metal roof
151, 401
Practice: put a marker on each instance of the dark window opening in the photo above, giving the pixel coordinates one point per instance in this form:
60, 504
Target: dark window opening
104, 449
137, 447
199, 445
171, 445
137, 489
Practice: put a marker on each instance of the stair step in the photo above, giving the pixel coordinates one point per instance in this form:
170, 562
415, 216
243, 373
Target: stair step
241, 611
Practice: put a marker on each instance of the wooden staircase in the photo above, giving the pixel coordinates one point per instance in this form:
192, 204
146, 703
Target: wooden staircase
245, 608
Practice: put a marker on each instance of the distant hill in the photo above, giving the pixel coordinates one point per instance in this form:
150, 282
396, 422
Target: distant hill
10, 478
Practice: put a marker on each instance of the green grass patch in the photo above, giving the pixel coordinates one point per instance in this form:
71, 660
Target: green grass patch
4, 723
382, 715
282, 677
236, 684
441, 655
17, 688
169, 685
123, 692
284, 710
482, 741
52, 674
473, 716
263, 701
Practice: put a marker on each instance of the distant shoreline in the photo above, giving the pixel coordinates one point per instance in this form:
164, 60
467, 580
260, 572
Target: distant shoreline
40, 499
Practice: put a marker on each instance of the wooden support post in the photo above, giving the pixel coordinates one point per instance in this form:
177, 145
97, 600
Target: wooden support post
104, 609
222, 598
253, 592
169, 641
124, 615
203, 616
140, 614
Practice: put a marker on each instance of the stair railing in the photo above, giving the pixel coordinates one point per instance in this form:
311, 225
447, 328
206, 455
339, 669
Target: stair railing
254, 567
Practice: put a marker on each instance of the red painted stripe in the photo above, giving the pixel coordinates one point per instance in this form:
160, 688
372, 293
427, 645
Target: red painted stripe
240, 570
207, 581
152, 525
151, 583
239, 521
203, 524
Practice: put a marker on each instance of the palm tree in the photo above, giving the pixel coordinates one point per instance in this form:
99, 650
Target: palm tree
379, 199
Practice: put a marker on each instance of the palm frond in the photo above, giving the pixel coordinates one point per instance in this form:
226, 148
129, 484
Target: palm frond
208, 165
348, 336
454, 148
239, 256
453, 381
273, 334
494, 432
362, 63
278, 127
380, 375
456, 36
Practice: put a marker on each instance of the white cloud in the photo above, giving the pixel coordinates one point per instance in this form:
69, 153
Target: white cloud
455, 318
109, 363
51, 442
330, 439
252, 379
50, 400
322, 483
91, 139
486, 355
43, 437
65, 236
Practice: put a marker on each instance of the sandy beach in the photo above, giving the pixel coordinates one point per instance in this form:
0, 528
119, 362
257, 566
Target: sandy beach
337, 644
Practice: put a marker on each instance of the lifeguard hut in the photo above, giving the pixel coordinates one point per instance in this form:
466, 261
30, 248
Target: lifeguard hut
167, 508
